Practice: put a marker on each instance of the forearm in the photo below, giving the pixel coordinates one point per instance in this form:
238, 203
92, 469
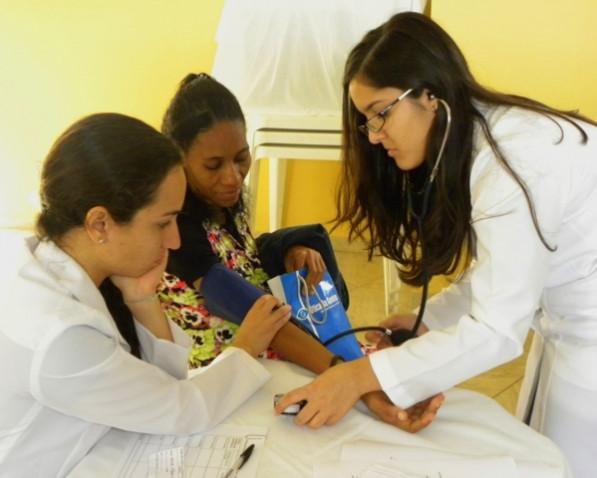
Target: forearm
363, 375
149, 313
300, 348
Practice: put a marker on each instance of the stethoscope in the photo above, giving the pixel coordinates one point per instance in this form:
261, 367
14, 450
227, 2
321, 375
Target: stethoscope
304, 312
399, 336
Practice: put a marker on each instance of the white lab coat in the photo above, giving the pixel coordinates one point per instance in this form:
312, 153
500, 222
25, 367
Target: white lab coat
515, 283
66, 374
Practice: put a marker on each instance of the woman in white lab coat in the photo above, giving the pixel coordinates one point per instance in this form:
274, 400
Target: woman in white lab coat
515, 187
84, 345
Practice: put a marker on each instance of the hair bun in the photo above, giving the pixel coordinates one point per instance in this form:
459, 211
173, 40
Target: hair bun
191, 77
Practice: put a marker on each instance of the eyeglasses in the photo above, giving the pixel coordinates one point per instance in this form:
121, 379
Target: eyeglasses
376, 122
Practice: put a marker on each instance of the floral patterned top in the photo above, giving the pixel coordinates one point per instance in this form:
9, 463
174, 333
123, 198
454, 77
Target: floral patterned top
205, 242
238, 255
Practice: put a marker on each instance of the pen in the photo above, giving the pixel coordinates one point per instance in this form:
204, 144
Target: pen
240, 461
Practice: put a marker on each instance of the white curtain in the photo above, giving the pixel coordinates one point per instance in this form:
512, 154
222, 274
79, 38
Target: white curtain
287, 56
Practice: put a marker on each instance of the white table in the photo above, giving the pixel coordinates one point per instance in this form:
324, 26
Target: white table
468, 423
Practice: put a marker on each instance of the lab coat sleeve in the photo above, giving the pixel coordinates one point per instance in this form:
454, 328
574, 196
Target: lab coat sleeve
169, 356
506, 283
88, 375
446, 307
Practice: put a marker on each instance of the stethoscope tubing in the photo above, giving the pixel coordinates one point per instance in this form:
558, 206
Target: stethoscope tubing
395, 337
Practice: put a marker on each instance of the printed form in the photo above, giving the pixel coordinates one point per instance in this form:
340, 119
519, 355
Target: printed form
203, 455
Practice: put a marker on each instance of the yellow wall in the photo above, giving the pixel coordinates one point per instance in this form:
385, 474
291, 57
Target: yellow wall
62, 59
545, 49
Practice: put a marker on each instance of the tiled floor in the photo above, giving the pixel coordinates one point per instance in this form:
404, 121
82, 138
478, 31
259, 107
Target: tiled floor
366, 286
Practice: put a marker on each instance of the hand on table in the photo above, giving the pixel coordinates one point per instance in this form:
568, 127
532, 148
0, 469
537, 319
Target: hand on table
412, 419
332, 394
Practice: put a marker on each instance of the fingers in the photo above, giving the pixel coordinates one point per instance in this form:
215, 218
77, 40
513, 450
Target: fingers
412, 419
298, 257
315, 417
309, 416
373, 337
315, 267
269, 305
423, 413
435, 403
403, 321
399, 321
262, 322
325, 403
290, 398
273, 310
379, 339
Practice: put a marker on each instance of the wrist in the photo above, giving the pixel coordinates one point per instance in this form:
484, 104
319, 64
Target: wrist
239, 344
336, 359
140, 300
364, 376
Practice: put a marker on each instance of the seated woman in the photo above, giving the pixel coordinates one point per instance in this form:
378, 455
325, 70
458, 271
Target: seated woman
84, 344
206, 122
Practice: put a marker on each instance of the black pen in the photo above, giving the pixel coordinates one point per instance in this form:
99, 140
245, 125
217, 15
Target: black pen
240, 461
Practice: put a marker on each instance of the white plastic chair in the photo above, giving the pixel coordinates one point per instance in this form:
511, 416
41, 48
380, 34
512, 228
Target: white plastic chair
282, 137
284, 61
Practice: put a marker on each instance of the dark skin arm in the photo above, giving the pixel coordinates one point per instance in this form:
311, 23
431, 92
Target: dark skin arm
300, 348
297, 346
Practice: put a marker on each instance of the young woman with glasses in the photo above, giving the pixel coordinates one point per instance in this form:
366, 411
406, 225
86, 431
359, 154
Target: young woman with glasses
439, 170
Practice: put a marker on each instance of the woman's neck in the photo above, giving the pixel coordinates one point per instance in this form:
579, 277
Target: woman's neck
78, 245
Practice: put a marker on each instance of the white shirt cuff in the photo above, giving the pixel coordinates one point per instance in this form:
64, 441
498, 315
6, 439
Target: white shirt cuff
381, 363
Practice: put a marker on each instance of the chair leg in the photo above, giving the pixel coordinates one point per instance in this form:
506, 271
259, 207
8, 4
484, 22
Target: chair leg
253, 182
391, 284
277, 183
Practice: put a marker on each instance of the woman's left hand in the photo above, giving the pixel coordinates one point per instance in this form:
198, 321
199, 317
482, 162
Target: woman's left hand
298, 257
135, 289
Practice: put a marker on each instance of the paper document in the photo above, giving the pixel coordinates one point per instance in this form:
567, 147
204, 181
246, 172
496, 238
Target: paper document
366, 459
167, 463
205, 455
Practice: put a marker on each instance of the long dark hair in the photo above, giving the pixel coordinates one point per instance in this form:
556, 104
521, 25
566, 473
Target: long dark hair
199, 104
108, 160
412, 51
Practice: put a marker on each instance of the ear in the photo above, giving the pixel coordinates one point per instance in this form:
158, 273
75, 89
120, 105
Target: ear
429, 101
98, 224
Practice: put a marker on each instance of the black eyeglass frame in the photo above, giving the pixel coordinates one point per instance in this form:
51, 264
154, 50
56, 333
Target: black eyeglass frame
367, 127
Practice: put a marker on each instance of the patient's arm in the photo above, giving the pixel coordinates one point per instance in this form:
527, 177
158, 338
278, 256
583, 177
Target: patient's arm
300, 348
412, 419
